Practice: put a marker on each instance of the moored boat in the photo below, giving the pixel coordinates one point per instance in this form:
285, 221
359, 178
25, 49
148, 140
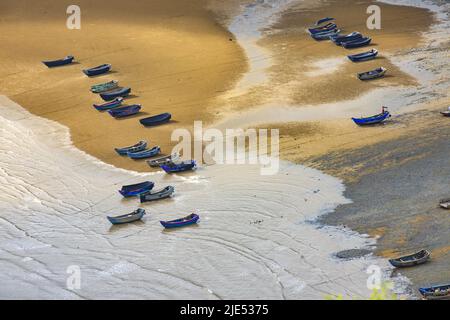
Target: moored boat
111, 95
136, 189
145, 153
188, 220
411, 260
59, 62
364, 56
373, 74
109, 105
163, 160
325, 35
338, 39
156, 120
446, 113
445, 204
95, 71
127, 218
102, 87
438, 292
365, 41
141, 145
125, 111
373, 119
156, 195
323, 20
179, 167
327, 27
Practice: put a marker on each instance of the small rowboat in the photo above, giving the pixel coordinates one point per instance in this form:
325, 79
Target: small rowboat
136, 189
163, 160
323, 20
327, 27
104, 68
126, 218
141, 145
356, 43
188, 220
156, 120
109, 105
365, 56
445, 204
439, 292
179, 167
108, 96
59, 62
373, 119
157, 195
411, 260
145, 153
125, 111
338, 39
373, 74
325, 35
446, 113
102, 87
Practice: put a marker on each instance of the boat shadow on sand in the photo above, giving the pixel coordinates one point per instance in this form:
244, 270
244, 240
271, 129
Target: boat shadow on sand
170, 230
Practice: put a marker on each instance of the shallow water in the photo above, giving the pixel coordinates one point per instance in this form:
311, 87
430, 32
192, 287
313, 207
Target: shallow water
255, 239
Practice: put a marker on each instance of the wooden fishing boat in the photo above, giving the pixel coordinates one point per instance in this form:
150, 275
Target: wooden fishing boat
411, 260
179, 167
163, 160
327, 27
373, 119
125, 111
323, 20
365, 41
145, 153
445, 204
133, 190
188, 220
109, 105
325, 35
111, 95
127, 218
338, 39
156, 120
438, 292
101, 69
373, 74
59, 62
156, 195
364, 56
102, 87
141, 145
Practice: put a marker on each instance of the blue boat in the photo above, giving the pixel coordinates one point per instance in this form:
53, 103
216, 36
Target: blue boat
338, 39
325, 35
129, 217
109, 105
101, 69
365, 56
188, 220
327, 27
438, 292
59, 62
323, 20
111, 95
373, 119
156, 120
145, 153
357, 43
136, 189
141, 145
179, 167
125, 111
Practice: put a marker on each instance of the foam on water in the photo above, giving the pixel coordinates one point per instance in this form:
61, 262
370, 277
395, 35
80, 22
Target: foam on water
255, 239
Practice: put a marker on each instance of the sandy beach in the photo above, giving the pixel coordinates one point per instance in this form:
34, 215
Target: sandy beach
240, 64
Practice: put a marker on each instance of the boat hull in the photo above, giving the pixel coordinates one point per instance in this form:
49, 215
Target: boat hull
108, 96
162, 194
60, 62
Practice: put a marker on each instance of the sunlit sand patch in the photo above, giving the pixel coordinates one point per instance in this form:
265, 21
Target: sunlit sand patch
325, 66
